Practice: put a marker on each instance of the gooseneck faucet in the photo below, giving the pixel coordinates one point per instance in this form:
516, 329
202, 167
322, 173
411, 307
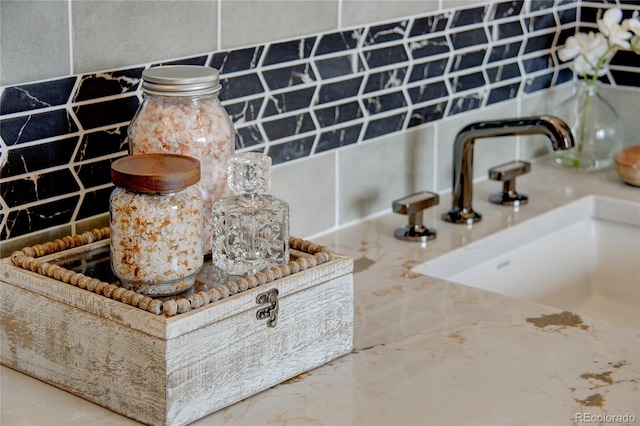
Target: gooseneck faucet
554, 128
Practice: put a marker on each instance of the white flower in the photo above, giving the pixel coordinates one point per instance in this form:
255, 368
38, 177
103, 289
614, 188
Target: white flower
592, 51
633, 24
610, 26
587, 49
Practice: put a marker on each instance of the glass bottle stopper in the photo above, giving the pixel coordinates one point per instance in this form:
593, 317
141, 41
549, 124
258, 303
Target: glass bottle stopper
250, 172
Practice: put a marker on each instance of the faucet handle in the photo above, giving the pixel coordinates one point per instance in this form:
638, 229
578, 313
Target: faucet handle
413, 205
507, 174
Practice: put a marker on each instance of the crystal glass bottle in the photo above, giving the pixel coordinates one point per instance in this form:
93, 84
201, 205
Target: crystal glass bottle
251, 227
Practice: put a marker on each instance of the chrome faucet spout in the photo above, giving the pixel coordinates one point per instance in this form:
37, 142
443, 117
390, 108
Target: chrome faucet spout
556, 130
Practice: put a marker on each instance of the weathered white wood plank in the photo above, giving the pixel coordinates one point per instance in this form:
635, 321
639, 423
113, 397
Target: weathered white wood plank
240, 356
114, 366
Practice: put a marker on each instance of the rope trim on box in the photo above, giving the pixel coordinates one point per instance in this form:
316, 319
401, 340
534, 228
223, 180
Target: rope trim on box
311, 255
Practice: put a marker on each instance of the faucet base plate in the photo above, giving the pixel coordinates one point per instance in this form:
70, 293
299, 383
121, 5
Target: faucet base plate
416, 233
465, 217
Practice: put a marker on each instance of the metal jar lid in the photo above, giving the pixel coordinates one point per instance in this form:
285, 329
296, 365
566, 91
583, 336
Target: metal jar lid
180, 80
155, 173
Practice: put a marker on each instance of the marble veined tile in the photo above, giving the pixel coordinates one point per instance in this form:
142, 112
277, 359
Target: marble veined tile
57, 122
94, 86
237, 60
29, 97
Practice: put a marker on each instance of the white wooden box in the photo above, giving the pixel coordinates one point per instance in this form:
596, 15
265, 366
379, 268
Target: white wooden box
164, 370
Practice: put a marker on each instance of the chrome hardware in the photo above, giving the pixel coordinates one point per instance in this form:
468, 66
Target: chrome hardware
507, 173
413, 205
270, 313
553, 128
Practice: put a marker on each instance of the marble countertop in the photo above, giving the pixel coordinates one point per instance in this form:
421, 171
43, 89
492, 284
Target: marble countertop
428, 351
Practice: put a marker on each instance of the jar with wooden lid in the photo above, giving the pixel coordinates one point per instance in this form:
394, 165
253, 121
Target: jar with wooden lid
156, 223
181, 114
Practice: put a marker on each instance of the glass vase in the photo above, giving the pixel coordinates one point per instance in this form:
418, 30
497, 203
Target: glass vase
596, 126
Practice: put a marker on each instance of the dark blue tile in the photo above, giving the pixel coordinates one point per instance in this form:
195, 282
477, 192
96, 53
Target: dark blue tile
337, 114
503, 93
385, 79
241, 112
288, 126
247, 136
505, 30
292, 150
29, 190
94, 203
106, 113
469, 38
626, 58
467, 60
384, 103
39, 217
31, 158
288, 51
281, 78
386, 56
290, 101
337, 138
427, 70
428, 92
589, 14
236, 60
102, 142
540, 22
465, 103
563, 76
503, 72
339, 66
504, 51
427, 114
330, 92
537, 64
196, 60
240, 86
429, 47
429, 24
385, 33
94, 86
468, 16
29, 97
626, 78
37, 126
384, 126
568, 16
464, 82
505, 9
538, 83
96, 173
337, 42
541, 5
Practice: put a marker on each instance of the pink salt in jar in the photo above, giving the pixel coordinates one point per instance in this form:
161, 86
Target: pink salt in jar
181, 114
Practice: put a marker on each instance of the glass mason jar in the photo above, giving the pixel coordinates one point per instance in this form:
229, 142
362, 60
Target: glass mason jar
156, 223
596, 127
181, 114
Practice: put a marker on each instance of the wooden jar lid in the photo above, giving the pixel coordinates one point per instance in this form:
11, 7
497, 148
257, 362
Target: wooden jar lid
155, 173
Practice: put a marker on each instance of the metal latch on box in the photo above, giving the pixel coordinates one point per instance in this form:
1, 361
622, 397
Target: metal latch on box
270, 313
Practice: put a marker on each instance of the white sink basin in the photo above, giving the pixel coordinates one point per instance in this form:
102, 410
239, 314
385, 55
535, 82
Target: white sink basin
583, 257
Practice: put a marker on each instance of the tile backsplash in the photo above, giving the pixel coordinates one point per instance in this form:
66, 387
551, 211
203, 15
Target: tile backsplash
295, 99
